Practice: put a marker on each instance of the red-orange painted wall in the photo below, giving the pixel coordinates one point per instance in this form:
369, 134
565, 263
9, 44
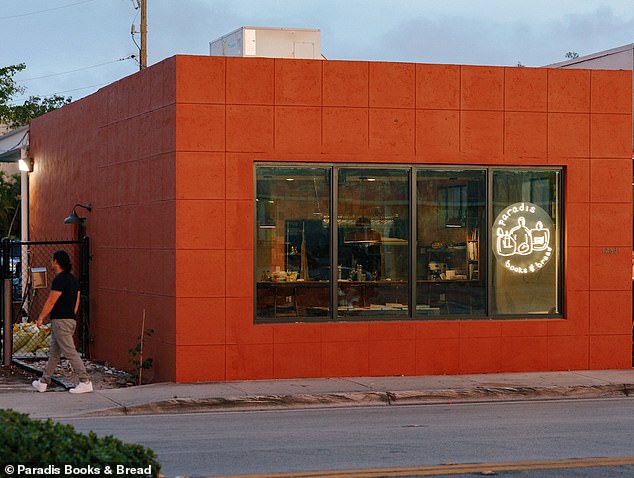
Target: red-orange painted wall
166, 158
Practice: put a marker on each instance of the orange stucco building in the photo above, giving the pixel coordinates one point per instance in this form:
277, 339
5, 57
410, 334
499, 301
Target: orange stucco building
167, 157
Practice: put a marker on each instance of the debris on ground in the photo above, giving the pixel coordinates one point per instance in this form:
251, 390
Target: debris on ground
13, 372
30, 348
102, 375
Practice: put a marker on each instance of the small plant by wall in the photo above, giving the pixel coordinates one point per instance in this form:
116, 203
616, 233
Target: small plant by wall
137, 359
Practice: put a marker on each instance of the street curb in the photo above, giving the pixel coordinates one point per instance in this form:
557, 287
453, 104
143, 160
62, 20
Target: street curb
514, 393
412, 397
193, 405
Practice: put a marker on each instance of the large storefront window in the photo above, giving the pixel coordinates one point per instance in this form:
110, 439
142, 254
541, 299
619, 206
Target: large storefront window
373, 232
450, 213
407, 242
525, 238
292, 242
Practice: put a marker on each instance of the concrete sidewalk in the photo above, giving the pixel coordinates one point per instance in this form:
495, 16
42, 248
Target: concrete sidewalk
356, 391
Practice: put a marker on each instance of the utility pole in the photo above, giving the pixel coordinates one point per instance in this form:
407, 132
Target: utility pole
143, 59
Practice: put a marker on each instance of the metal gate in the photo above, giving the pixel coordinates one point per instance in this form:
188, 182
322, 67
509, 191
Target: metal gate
27, 274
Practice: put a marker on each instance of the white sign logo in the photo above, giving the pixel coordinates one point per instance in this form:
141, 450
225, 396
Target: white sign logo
522, 237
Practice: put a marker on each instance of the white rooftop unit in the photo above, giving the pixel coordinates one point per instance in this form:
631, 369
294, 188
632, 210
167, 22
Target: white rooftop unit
620, 58
269, 43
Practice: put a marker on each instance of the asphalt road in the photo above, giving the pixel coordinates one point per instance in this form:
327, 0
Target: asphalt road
388, 438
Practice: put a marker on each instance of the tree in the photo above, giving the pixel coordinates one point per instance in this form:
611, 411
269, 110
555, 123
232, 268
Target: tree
19, 115
8, 89
571, 55
36, 106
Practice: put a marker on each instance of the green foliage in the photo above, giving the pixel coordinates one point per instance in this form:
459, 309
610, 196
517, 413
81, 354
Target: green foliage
138, 361
9, 204
19, 115
35, 106
8, 89
572, 55
41, 443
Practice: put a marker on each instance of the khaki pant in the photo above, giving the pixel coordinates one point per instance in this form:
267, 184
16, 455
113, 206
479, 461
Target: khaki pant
62, 343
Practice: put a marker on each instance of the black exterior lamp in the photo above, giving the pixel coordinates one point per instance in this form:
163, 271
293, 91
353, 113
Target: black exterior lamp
79, 221
73, 218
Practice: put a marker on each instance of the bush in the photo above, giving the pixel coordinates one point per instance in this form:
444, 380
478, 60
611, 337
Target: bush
34, 443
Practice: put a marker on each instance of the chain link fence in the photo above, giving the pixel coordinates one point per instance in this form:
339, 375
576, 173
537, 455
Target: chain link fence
28, 272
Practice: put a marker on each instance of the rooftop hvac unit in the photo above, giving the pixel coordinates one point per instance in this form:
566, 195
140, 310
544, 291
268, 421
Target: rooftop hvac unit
268, 43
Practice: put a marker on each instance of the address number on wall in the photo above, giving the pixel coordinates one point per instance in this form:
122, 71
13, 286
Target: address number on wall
610, 250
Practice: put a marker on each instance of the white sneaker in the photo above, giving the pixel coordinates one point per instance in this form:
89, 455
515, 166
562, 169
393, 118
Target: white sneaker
39, 386
82, 387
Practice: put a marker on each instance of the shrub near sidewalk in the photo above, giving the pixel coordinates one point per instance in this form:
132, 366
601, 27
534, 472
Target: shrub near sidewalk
41, 444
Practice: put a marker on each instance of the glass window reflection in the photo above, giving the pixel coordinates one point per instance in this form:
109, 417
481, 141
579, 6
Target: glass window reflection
373, 240
450, 211
525, 238
292, 251
486, 242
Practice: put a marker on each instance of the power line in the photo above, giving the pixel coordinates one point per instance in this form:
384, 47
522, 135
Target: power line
79, 69
59, 92
15, 101
44, 11
82, 88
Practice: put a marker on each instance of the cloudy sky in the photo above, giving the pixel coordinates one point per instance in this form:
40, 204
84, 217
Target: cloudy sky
73, 47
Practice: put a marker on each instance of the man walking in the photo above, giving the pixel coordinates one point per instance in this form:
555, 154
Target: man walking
62, 305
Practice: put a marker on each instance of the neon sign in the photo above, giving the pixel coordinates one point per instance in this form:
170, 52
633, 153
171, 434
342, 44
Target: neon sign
522, 238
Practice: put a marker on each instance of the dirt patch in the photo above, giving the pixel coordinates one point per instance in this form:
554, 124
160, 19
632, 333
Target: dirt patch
13, 373
102, 375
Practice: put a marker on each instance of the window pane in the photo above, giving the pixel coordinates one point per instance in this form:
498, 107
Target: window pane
373, 231
292, 253
450, 210
525, 238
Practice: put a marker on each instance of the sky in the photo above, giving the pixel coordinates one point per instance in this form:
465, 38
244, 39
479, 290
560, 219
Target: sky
74, 47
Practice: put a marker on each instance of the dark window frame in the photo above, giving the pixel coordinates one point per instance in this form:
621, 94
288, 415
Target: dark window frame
487, 256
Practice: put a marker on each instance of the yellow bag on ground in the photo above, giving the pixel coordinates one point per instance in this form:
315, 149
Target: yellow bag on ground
30, 338
22, 334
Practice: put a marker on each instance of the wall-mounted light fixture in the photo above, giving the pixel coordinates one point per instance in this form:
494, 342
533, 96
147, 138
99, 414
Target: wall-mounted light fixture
25, 164
73, 218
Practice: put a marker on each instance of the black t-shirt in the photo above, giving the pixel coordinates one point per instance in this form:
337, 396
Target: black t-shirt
68, 285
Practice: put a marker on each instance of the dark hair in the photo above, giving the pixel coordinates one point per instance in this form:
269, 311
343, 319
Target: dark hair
61, 257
